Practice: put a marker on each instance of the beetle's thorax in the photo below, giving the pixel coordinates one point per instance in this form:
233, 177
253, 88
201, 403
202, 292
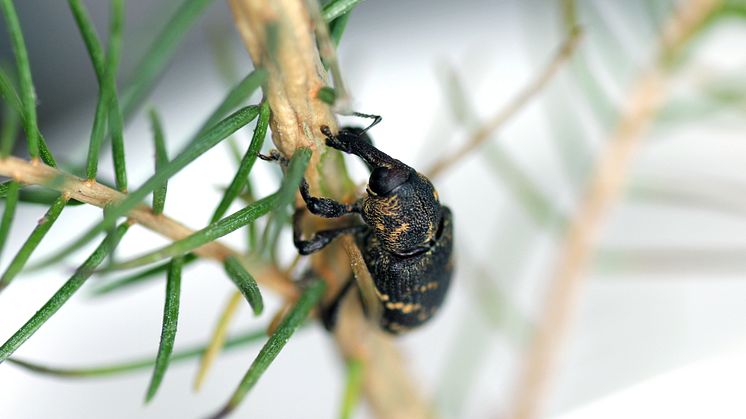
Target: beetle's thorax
406, 220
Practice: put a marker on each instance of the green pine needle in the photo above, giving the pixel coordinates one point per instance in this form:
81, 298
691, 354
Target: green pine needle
247, 163
107, 80
295, 317
64, 293
116, 127
28, 94
337, 8
327, 95
245, 283
98, 130
138, 278
153, 64
285, 195
204, 143
107, 91
35, 195
9, 93
235, 97
136, 365
42, 227
208, 234
278, 200
168, 331
337, 27
45, 153
161, 160
11, 200
9, 131
90, 38
293, 176
352, 388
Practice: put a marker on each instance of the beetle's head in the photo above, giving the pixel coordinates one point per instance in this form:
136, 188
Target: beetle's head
402, 208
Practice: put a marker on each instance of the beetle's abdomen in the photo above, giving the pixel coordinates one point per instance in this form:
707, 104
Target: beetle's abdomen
411, 289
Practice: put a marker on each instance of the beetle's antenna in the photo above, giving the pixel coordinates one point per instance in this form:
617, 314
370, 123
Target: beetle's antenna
376, 119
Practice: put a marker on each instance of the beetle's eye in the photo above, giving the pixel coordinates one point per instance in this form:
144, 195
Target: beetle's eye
384, 180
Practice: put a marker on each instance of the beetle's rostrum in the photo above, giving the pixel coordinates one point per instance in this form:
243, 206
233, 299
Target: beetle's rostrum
406, 239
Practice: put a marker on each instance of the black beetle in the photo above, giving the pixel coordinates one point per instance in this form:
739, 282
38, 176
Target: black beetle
406, 240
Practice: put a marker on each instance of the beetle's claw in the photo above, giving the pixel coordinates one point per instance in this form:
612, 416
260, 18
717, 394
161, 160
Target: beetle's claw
274, 155
331, 139
326, 131
334, 142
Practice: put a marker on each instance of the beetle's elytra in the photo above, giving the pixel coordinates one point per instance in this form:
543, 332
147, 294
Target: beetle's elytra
406, 238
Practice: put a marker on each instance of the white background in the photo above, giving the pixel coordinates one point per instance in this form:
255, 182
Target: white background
644, 344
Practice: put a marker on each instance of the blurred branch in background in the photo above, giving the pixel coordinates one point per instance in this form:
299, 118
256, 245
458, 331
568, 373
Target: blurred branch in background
517, 103
684, 262
722, 196
646, 97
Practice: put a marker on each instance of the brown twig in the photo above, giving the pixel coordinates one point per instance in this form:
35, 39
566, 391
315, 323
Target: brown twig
217, 340
390, 390
295, 76
645, 99
328, 54
518, 103
280, 39
90, 192
363, 278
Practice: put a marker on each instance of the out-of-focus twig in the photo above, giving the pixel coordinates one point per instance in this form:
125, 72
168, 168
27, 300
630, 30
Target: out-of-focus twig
364, 279
516, 104
329, 55
278, 42
93, 193
217, 340
643, 102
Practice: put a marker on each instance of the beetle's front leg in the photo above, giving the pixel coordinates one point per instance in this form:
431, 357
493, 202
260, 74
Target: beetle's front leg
325, 207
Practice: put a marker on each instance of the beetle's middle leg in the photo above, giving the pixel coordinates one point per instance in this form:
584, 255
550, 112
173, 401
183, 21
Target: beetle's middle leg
321, 238
330, 312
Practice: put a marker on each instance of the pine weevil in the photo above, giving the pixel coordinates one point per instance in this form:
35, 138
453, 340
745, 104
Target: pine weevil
406, 239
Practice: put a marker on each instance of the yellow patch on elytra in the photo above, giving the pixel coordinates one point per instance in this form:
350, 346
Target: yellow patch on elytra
399, 230
429, 286
430, 231
408, 308
435, 195
389, 207
405, 308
